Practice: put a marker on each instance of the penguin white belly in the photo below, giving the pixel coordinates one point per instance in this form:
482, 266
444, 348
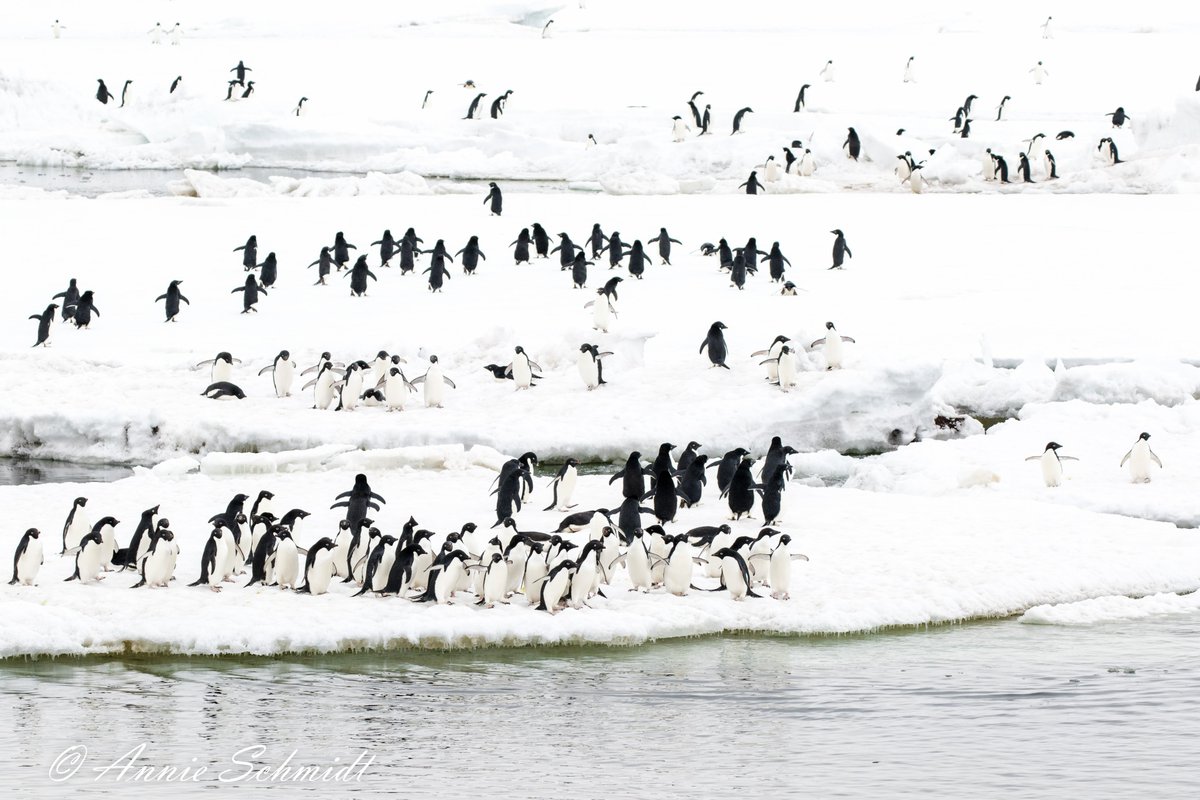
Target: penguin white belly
396, 391
80, 527
221, 371
588, 370
834, 351
420, 570
908, 75
287, 564
495, 581
323, 392
351, 391
1139, 462
773, 172
638, 564
321, 573
535, 570
89, 561
902, 171
479, 576
658, 547
678, 577
380, 578
108, 546
435, 389
713, 568
679, 130
807, 166
566, 488
226, 559
30, 562
916, 182
581, 584
989, 167
450, 582
1052, 471
285, 375
601, 314
519, 556
786, 372
731, 574
522, 374
159, 566
555, 589
780, 572
341, 549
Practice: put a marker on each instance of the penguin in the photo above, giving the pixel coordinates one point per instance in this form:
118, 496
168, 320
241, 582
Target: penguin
596, 240
77, 525
840, 249
788, 290
1050, 164
801, 103
229, 90
775, 261
521, 253
495, 199
715, 342
638, 259
565, 250
1033, 142
827, 71
772, 494
1139, 459
250, 253
287, 559
323, 386
904, 168
387, 247
500, 373
318, 567
616, 250
563, 486
632, 475
222, 366
916, 179
752, 185
638, 563
852, 145
262, 556
602, 307
1052, 471
495, 581
1047, 33
84, 309
590, 364
664, 241
740, 492
1107, 148
241, 69
1000, 108
591, 142
474, 107
341, 250
437, 271
1064, 135
249, 90
807, 164
737, 274
45, 320
396, 389
966, 106
172, 297
737, 119
378, 565
358, 275
546, 29
408, 253
989, 165
1039, 73
433, 379
283, 373
176, 34
1023, 168
958, 118
56, 28
358, 501
523, 367
88, 559
773, 354
471, 255
1118, 117
965, 133
102, 92
141, 541
28, 559
126, 97
351, 387
157, 565
298, 111
555, 585
250, 292
1001, 168
908, 71
790, 163
705, 120
692, 106
679, 128
216, 391
70, 298
692, 478
541, 240
425, 100
780, 571
832, 345
579, 270
665, 495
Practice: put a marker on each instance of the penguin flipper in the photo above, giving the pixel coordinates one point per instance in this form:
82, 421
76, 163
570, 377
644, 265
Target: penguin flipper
1126, 458
1036, 458
1155, 459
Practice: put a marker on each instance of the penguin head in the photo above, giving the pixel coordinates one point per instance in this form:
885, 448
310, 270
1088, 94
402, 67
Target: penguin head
676, 117
1053, 446
719, 326
1145, 437
382, 355
829, 326
81, 501
468, 528
217, 531
33, 533
837, 232
433, 359
785, 539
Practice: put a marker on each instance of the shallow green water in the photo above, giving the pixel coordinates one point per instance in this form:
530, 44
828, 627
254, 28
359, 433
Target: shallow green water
982, 710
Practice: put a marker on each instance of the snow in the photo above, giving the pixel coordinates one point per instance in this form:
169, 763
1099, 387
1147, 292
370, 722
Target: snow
877, 561
1112, 609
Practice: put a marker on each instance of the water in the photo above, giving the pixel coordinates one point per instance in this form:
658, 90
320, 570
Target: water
993, 709
22, 471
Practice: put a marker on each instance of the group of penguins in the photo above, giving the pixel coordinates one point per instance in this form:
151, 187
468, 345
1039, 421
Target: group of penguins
550, 569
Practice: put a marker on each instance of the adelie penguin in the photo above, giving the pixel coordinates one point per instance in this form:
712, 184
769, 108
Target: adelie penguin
714, 342
827, 71
775, 261
471, 255
497, 108
84, 309
591, 367
250, 292
801, 103
1000, 108
1050, 164
705, 120
358, 275
909, 77
495, 199
694, 109
474, 107
437, 270
1023, 168
852, 146
268, 271
840, 249
1051, 461
435, 383
664, 241
752, 185
1107, 149
249, 253
45, 320
1001, 168
126, 95
220, 389
387, 247
102, 92
832, 345
563, 486
1139, 458
679, 128
173, 296
175, 84
737, 119
283, 373
298, 111
341, 250
28, 559
579, 270
1039, 73
222, 366
70, 297
249, 90
1118, 117
521, 253
241, 69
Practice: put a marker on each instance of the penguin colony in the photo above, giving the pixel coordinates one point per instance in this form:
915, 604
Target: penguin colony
484, 565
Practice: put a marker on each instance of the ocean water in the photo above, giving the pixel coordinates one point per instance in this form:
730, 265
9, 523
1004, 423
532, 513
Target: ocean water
993, 709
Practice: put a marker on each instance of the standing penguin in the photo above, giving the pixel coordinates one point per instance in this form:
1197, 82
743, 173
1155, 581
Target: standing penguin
521, 253
70, 297
800, 101
774, 171
425, 99
77, 525
591, 368
523, 367
493, 196
832, 345
437, 267
827, 71
852, 145
126, 96
471, 255
1039, 73
563, 486
283, 373
1023, 168
705, 120
579, 270
596, 240
541, 240
497, 109
1047, 32
1000, 108
776, 259
1118, 117
637, 259
1139, 457
1001, 170
28, 559
664, 241
241, 69
737, 119
250, 292
909, 77
45, 320
965, 133
752, 185
435, 383
740, 494
341, 250
298, 111
88, 559
1052, 471
173, 296
249, 253
1050, 164
715, 342
358, 275
692, 106
840, 248
474, 107
84, 310
679, 128
1107, 149
102, 92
